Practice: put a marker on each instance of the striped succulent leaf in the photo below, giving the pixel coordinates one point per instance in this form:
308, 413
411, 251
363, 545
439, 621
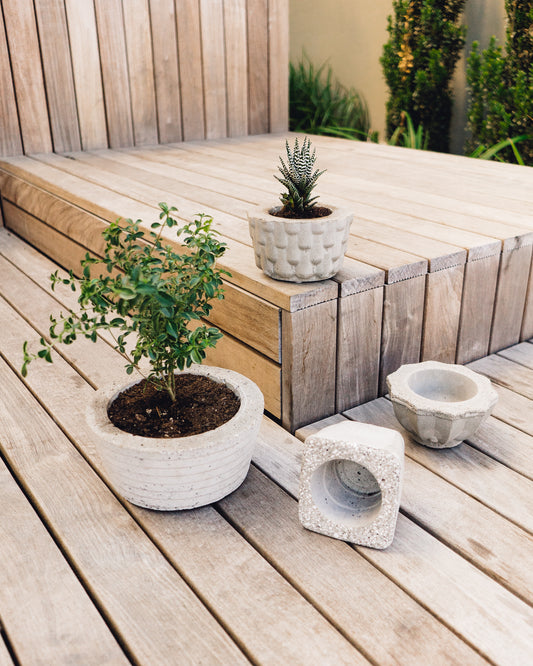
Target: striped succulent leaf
298, 177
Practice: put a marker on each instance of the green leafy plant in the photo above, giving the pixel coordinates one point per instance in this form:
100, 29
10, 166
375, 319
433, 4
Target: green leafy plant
500, 85
419, 58
318, 104
407, 136
149, 292
299, 178
495, 152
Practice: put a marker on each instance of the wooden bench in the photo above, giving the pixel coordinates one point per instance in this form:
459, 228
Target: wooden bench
439, 259
89, 579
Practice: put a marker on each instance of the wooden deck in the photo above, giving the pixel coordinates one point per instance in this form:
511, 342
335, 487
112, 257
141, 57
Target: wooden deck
438, 264
86, 579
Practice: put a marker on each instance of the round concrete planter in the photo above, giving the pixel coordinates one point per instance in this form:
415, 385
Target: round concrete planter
299, 250
183, 472
440, 404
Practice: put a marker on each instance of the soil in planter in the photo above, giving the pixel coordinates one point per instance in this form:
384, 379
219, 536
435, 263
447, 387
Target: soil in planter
201, 404
316, 211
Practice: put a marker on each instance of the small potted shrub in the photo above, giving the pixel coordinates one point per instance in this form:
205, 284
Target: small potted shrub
299, 241
182, 434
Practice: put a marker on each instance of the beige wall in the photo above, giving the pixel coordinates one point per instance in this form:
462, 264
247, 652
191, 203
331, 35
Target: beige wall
349, 35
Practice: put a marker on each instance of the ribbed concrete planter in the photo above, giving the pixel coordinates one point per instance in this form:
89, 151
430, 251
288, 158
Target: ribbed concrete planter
440, 404
183, 472
299, 250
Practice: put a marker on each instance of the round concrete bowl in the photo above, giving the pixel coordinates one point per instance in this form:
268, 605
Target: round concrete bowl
182, 472
440, 404
299, 250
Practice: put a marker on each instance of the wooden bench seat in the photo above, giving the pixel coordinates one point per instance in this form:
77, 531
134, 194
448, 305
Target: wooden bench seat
421, 280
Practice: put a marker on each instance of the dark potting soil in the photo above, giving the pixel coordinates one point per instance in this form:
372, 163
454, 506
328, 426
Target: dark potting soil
316, 211
201, 404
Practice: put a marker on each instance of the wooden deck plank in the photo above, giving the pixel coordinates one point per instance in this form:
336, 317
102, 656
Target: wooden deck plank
307, 558
258, 84
236, 49
505, 372
455, 590
123, 575
213, 67
10, 137
45, 610
522, 353
493, 484
5, 657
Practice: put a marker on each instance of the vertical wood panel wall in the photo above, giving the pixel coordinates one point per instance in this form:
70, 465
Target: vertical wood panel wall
87, 74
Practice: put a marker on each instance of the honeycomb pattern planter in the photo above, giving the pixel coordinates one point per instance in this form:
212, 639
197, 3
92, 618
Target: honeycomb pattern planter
351, 481
440, 404
299, 250
181, 472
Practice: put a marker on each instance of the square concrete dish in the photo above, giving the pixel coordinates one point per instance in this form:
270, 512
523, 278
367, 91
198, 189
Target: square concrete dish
440, 404
350, 483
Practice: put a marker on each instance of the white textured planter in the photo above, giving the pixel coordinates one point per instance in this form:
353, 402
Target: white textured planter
181, 472
351, 481
440, 404
299, 250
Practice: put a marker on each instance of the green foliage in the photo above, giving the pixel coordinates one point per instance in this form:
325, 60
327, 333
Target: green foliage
320, 105
299, 178
419, 58
500, 86
150, 291
407, 136
494, 152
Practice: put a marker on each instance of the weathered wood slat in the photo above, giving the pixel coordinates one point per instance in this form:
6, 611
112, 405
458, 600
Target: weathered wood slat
236, 48
305, 367
246, 597
21, 28
190, 68
213, 66
358, 347
442, 311
115, 78
141, 71
46, 613
257, 25
5, 657
522, 353
278, 62
403, 310
10, 138
166, 72
504, 372
476, 474
58, 76
123, 574
436, 576
83, 35
526, 333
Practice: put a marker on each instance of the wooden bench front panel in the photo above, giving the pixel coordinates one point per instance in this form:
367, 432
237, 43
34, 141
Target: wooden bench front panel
88, 74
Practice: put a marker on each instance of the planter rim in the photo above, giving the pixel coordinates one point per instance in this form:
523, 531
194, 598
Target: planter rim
401, 393
264, 213
247, 391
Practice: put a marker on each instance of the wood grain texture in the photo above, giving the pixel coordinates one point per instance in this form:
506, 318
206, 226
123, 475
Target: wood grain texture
112, 42
190, 68
141, 71
86, 65
278, 54
25, 58
213, 63
122, 574
166, 72
258, 86
10, 139
477, 306
308, 356
58, 76
511, 296
358, 348
236, 66
403, 311
442, 310
46, 613
526, 332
